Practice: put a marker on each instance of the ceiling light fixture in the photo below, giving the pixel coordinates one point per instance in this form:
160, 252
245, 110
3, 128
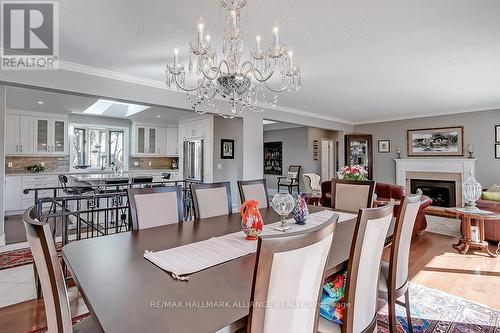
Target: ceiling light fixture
41, 102
157, 116
244, 84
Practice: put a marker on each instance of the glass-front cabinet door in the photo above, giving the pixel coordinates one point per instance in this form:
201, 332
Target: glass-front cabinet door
59, 136
141, 140
152, 141
358, 151
42, 136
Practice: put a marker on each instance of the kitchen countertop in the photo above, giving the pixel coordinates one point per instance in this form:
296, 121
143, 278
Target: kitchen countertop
92, 172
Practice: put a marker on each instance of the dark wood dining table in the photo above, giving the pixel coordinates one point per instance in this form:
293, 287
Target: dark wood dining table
127, 293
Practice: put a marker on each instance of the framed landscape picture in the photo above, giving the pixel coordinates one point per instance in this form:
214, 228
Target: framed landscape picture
384, 146
445, 141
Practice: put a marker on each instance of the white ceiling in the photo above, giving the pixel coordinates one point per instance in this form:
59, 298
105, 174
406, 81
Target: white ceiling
361, 60
27, 99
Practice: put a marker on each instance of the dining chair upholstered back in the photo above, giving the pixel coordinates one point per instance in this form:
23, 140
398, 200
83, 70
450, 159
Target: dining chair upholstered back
55, 297
211, 199
312, 182
288, 279
363, 268
155, 206
352, 195
400, 250
254, 190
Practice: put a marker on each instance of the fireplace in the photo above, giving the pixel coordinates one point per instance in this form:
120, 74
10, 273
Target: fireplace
442, 192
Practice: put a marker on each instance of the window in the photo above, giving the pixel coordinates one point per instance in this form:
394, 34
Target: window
97, 147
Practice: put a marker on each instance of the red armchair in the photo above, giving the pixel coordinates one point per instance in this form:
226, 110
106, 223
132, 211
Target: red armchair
491, 227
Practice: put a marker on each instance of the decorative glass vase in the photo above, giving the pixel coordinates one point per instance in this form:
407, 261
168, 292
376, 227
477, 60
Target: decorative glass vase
283, 204
301, 213
251, 220
472, 191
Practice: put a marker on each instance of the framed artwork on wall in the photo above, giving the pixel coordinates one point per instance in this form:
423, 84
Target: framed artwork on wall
497, 150
273, 158
497, 133
226, 149
384, 146
445, 141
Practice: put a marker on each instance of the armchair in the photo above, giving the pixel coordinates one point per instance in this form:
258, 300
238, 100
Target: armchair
291, 180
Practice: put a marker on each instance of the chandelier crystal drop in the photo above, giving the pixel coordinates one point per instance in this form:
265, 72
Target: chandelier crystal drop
243, 83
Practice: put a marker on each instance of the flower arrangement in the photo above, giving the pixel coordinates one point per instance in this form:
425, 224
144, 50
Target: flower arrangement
353, 172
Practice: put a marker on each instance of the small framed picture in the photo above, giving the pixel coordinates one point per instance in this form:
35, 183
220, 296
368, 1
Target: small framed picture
497, 151
227, 149
384, 146
497, 133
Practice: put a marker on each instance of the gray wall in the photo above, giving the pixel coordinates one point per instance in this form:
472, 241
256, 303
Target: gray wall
232, 169
2, 161
297, 150
478, 131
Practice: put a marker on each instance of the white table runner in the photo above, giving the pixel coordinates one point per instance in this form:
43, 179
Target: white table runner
194, 257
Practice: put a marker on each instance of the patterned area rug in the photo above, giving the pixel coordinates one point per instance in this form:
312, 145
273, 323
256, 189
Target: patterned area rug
19, 257
434, 311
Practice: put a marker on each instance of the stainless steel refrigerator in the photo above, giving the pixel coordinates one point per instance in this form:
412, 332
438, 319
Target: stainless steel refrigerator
193, 160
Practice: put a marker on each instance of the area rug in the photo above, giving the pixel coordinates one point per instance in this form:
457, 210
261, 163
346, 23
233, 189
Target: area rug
75, 321
434, 311
19, 257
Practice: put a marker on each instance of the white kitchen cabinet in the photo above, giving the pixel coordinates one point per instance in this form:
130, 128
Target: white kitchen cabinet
37, 181
50, 136
149, 141
13, 192
26, 135
172, 141
11, 134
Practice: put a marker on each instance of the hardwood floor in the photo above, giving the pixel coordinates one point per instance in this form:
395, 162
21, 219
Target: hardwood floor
433, 263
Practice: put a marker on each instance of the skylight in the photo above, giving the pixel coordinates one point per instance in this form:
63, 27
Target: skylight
114, 109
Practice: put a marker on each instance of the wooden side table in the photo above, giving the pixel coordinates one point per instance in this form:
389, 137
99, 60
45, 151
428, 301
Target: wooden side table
466, 242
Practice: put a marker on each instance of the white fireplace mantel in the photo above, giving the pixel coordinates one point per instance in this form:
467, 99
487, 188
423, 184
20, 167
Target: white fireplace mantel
463, 166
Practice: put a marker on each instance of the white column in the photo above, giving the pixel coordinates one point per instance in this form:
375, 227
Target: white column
253, 146
3, 108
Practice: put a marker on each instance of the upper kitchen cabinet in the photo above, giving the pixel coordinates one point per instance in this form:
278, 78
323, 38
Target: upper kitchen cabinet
196, 128
172, 141
28, 134
51, 136
150, 140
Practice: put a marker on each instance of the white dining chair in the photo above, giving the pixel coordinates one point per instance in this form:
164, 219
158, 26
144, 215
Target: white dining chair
394, 280
288, 278
362, 272
254, 190
155, 206
352, 195
48, 266
312, 183
211, 200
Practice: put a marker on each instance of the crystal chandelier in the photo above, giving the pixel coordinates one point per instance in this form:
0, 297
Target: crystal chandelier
244, 84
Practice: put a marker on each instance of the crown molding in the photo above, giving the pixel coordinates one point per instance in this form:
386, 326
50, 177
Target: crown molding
426, 115
104, 73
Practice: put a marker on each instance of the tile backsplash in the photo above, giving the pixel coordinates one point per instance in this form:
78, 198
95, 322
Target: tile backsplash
156, 163
52, 164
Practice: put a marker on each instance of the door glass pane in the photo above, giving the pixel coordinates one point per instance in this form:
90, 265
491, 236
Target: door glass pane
59, 136
78, 151
97, 145
140, 140
116, 148
42, 135
359, 153
152, 141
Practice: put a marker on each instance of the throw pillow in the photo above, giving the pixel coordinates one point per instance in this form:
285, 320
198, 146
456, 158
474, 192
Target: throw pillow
491, 196
333, 305
494, 188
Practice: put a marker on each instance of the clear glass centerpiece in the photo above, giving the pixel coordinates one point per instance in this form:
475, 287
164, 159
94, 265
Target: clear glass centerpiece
283, 204
472, 192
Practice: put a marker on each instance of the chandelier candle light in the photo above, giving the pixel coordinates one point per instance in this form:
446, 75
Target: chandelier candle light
243, 84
